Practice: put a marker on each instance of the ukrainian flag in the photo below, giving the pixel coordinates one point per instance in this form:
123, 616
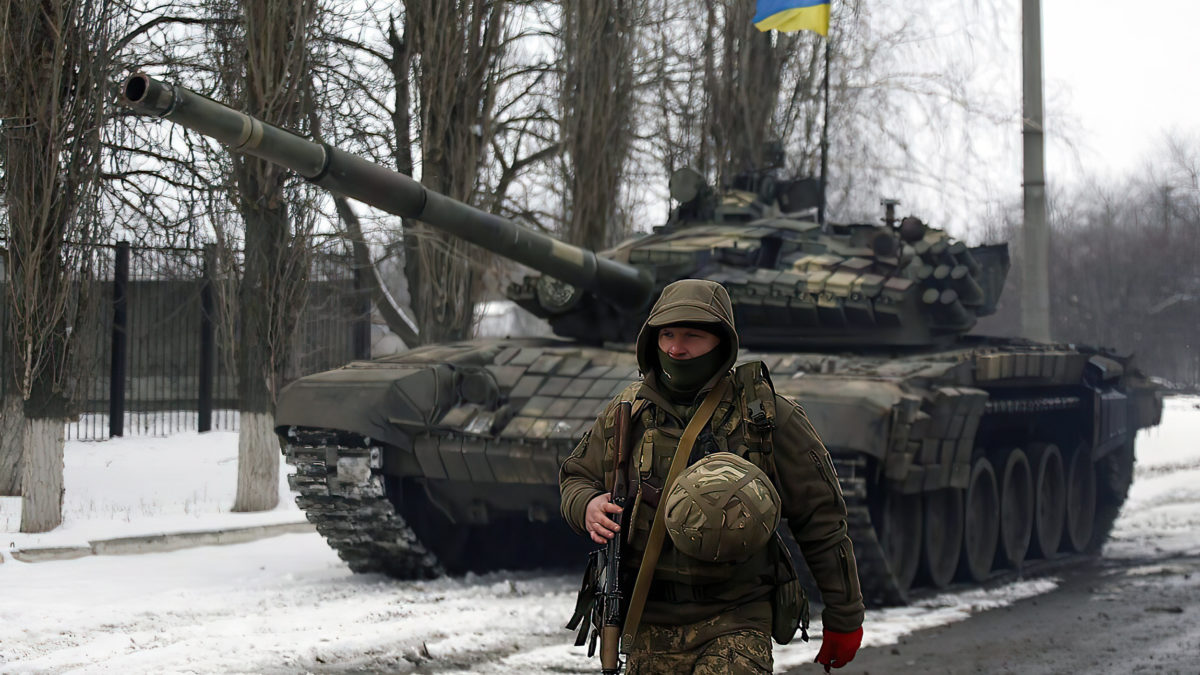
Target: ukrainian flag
790, 15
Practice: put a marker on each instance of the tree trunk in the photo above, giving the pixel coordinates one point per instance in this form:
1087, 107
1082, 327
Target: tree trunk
270, 297
745, 95
597, 101
382, 299
54, 74
454, 49
42, 474
258, 463
268, 318
11, 422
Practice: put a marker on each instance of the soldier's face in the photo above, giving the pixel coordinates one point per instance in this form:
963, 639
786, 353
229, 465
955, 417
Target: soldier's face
684, 343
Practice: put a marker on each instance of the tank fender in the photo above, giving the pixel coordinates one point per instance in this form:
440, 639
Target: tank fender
1103, 369
1143, 405
851, 416
384, 401
1111, 426
1122, 402
1147, 403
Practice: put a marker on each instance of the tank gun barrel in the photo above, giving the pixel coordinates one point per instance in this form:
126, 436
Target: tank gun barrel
391, 191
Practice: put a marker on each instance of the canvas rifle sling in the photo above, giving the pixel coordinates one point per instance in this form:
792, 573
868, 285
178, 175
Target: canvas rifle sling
637, 601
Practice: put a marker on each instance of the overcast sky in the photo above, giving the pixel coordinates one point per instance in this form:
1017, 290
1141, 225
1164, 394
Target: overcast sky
1118, 77
1125, 73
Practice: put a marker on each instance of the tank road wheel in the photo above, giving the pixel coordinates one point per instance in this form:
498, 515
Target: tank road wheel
982, 522
902, 536
1049, 500
1081, 499
1016, 509
942, 541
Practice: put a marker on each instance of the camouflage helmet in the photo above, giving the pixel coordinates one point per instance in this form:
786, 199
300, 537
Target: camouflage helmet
721, 509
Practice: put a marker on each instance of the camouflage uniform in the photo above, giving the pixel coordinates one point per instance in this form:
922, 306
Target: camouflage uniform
670, 650
699, 613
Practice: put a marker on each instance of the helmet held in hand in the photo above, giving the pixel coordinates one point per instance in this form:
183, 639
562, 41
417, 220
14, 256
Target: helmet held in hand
721, 509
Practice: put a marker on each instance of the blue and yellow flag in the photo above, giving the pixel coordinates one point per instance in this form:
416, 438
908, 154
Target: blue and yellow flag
790, 15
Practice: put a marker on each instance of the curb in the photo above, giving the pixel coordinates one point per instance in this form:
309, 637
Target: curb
159, 543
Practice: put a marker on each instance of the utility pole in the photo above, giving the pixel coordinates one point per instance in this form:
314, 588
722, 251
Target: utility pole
1035, 265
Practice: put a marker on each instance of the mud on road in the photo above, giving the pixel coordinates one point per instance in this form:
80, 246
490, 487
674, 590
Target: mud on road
1109, 615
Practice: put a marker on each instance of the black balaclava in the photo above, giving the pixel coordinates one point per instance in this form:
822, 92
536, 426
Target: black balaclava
683, 378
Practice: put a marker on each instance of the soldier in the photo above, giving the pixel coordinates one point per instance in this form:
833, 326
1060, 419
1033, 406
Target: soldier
708, 608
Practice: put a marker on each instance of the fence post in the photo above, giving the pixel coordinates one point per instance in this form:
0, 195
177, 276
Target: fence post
207, 342
361, 326
120, 335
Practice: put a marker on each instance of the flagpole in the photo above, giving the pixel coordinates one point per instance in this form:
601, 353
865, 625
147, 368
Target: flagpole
794, 15
824, 140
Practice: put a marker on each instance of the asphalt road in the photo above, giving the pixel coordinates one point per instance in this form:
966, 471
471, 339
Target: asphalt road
1106, 616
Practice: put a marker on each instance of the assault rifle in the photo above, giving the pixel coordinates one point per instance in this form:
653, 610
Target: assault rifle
611, 600
600, 605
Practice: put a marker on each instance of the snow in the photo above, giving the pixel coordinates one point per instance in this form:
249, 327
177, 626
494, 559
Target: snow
288, 605
1162, 512
141, 485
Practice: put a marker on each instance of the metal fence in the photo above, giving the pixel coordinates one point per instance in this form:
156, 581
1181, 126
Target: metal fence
159, 357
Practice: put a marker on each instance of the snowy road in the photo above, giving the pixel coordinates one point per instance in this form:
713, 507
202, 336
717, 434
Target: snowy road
288, 605
285, 604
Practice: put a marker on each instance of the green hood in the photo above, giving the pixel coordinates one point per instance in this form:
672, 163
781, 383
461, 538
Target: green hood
691, 301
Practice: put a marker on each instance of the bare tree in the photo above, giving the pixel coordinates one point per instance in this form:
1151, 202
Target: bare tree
11, 429
12, 421
1125, 275
162, 180
53, 70
723, 89
597, 99
437, 90
450, 55
264, 59
743, 87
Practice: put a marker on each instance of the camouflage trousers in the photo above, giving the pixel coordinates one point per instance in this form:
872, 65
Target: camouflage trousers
676, 650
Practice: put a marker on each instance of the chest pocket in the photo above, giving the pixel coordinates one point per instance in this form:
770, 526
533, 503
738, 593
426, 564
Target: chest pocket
742, 425
662, 435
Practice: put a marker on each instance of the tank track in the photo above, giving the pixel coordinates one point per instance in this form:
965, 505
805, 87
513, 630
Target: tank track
353, 513
363, 526
879, 586
358, 520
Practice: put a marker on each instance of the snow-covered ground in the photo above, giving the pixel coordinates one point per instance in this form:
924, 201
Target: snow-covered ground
146, 485
288, 605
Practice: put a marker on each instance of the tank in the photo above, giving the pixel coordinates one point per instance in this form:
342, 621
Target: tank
961, 457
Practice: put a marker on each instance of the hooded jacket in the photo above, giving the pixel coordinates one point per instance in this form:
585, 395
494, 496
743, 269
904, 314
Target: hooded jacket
811, 495
691, 301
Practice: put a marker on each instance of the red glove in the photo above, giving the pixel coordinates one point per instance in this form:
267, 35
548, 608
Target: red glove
838, 649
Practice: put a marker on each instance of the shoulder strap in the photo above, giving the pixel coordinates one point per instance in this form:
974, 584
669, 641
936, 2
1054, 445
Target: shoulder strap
758, 393
637, 601
757, 397
630, 393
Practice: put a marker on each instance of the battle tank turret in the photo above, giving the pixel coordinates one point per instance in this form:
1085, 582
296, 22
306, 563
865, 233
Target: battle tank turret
959, 456
793, 282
